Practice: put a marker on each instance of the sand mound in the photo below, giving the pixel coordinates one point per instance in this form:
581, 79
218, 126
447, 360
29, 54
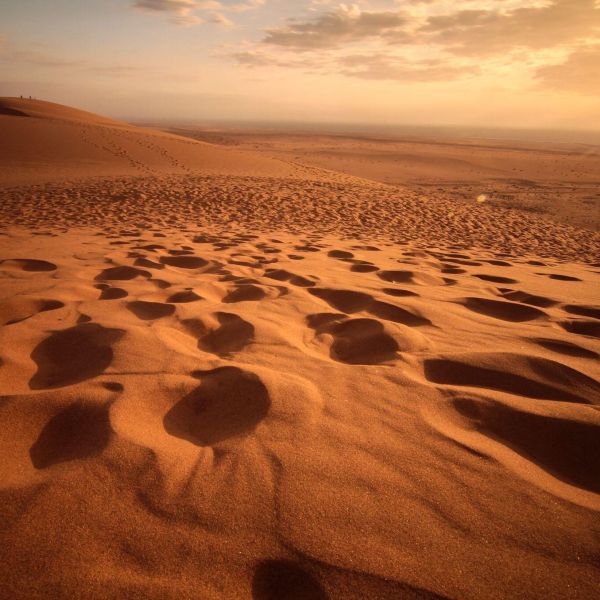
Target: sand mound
40, 109
43, 141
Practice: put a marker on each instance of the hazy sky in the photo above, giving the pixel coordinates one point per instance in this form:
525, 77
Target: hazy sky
522, 63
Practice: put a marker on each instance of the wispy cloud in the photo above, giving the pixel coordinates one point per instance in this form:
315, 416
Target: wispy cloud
194, 12
345, 24
485, 32
475, 31
49, 60
393, 68
580, 72
180, 12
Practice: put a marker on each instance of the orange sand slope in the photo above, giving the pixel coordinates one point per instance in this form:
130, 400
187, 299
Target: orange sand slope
293, 386
43, 141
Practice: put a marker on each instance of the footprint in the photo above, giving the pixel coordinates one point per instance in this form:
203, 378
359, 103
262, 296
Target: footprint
46, 305
184, 297
368, 248
113, 386
364, 267
245, 293
184, 262
355, 341
347, 301
151, 247
18, 310
285, 580
559, 277
121, 274
459, 261
283, 275
29, 264
498, 309
454, 255
307, 248
411, 277
228, 403
525, 298
112, 293
498, 263
563, 347
495, 278
73, 355
567, 449
447, 270
230, 334
589, 328
399, 293
80, 431
148, 311
340, 254
522, 375
238, 280
161, 284
390, 312
582, 310
148, 264
396, 276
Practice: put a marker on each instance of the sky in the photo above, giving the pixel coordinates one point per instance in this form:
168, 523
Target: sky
500, 63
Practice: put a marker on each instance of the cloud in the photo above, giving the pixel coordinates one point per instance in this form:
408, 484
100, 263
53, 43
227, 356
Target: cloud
39, 59
393, 68
181, 12
471, 32
47, 60
363, 66
194, 12
346, 24
579, 73
257, 59
179, 7
426, 40
220, 19
488, 32
252, 59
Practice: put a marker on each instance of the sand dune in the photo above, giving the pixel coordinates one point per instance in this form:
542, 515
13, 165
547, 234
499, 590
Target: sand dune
290, 384
42, 141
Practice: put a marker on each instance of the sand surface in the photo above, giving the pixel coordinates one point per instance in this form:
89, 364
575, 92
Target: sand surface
560, 181
241, 377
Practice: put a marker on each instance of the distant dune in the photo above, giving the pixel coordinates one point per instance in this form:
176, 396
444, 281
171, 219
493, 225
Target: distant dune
42, 141
40, 109
230, 376
557, 180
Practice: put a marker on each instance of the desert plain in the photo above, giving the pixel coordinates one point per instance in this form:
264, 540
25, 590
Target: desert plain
281, 366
